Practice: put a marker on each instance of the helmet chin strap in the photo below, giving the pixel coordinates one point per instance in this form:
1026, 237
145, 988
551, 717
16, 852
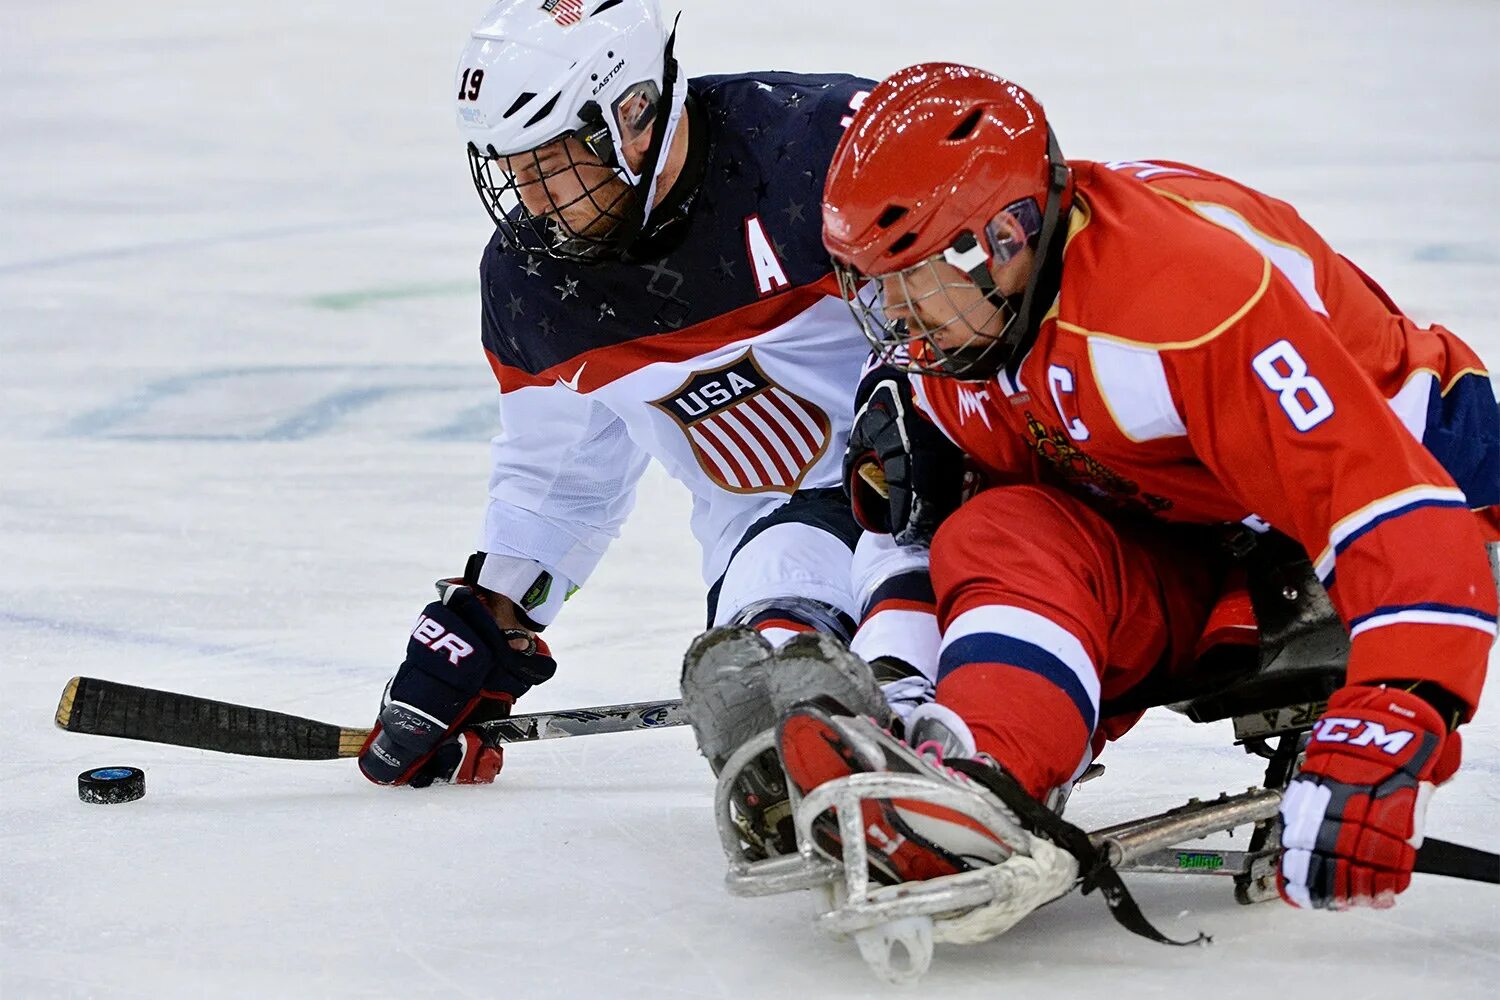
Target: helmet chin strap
969, 256
1025, 331
667, 125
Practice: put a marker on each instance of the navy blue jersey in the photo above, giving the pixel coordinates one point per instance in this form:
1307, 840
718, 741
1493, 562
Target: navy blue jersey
731, 360
771, 137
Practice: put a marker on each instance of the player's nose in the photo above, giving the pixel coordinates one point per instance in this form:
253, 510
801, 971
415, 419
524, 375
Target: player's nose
893, 299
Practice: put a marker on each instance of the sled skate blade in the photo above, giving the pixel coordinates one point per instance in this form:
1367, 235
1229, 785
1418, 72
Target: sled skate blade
900, 951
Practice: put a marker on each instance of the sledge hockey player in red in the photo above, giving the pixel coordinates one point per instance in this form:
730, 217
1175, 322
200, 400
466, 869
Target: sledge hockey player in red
1135, 357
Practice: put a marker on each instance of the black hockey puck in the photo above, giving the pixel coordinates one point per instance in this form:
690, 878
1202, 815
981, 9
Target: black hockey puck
111, 785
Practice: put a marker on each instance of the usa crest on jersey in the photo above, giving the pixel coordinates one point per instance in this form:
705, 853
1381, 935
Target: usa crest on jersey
749, 434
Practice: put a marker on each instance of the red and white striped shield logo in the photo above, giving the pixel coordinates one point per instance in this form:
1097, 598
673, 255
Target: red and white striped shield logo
748, 433
564, 12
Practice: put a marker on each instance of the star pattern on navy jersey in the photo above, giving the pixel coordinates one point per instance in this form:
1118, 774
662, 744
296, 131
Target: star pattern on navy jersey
769, 141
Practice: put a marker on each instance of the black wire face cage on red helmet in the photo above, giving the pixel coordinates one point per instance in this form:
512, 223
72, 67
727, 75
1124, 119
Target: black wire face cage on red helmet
949, 320
977, 347
591, 212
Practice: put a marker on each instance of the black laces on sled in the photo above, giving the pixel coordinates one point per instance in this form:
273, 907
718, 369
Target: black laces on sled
1094, 869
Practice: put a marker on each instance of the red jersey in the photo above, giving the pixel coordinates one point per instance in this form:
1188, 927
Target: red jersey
1209, 358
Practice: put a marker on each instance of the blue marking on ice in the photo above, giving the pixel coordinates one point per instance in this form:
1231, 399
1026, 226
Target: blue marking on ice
467, 421
132, 637
190, 243
475, 423
1455, 253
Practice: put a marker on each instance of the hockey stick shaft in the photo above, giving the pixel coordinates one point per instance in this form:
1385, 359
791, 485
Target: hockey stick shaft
1434, 857
1147, 844
107, 708
1441, 857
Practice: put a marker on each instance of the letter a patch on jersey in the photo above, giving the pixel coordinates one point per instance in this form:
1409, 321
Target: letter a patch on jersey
749, 434
770, 276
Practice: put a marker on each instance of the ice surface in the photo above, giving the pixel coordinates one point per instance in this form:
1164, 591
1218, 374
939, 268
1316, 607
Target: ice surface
242, 415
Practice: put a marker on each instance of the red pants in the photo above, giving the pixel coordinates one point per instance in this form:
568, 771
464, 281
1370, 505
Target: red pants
1047, 609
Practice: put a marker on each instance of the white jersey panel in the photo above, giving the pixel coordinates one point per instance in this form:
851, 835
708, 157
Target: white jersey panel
746, 424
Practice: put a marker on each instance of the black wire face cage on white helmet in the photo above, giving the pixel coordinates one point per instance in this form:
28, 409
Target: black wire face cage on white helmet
587, 209
943, 315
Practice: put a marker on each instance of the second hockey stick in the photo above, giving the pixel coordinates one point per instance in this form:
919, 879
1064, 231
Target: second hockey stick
108, 708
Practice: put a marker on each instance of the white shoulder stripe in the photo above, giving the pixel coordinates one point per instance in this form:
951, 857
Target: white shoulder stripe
1293, 264
1133, 384
1410, 403
1423, 616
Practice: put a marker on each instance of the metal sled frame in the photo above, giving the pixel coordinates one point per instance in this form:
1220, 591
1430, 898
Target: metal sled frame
1274, 694
897, 926
1273, 700
1147, 845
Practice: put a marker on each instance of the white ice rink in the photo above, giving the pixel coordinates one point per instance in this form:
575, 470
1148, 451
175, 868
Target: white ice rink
243, 414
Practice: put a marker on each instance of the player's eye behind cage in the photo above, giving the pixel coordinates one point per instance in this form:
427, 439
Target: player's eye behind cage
908, 342
561, 200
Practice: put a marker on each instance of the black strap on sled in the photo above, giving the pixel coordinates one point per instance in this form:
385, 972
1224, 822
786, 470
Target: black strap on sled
1094, 869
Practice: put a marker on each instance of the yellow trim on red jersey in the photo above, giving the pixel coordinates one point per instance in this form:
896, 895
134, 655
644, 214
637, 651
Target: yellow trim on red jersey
1346, 525
1190, 203
1458, 375
1180, 345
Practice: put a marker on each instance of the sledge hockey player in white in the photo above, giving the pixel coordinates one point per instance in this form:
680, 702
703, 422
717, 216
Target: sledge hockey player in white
706, 332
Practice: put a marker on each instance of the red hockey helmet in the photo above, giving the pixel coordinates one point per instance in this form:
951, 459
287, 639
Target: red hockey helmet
942, 163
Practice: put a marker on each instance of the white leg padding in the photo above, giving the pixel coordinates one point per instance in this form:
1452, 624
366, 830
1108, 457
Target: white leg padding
788, 560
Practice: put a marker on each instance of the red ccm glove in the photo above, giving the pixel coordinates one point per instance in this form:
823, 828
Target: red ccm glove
1353, 816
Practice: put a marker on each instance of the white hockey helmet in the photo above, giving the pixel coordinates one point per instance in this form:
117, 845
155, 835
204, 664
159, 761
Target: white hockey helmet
537, 70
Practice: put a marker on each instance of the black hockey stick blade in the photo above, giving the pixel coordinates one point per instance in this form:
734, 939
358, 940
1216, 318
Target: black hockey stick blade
107, 708
1441, 857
